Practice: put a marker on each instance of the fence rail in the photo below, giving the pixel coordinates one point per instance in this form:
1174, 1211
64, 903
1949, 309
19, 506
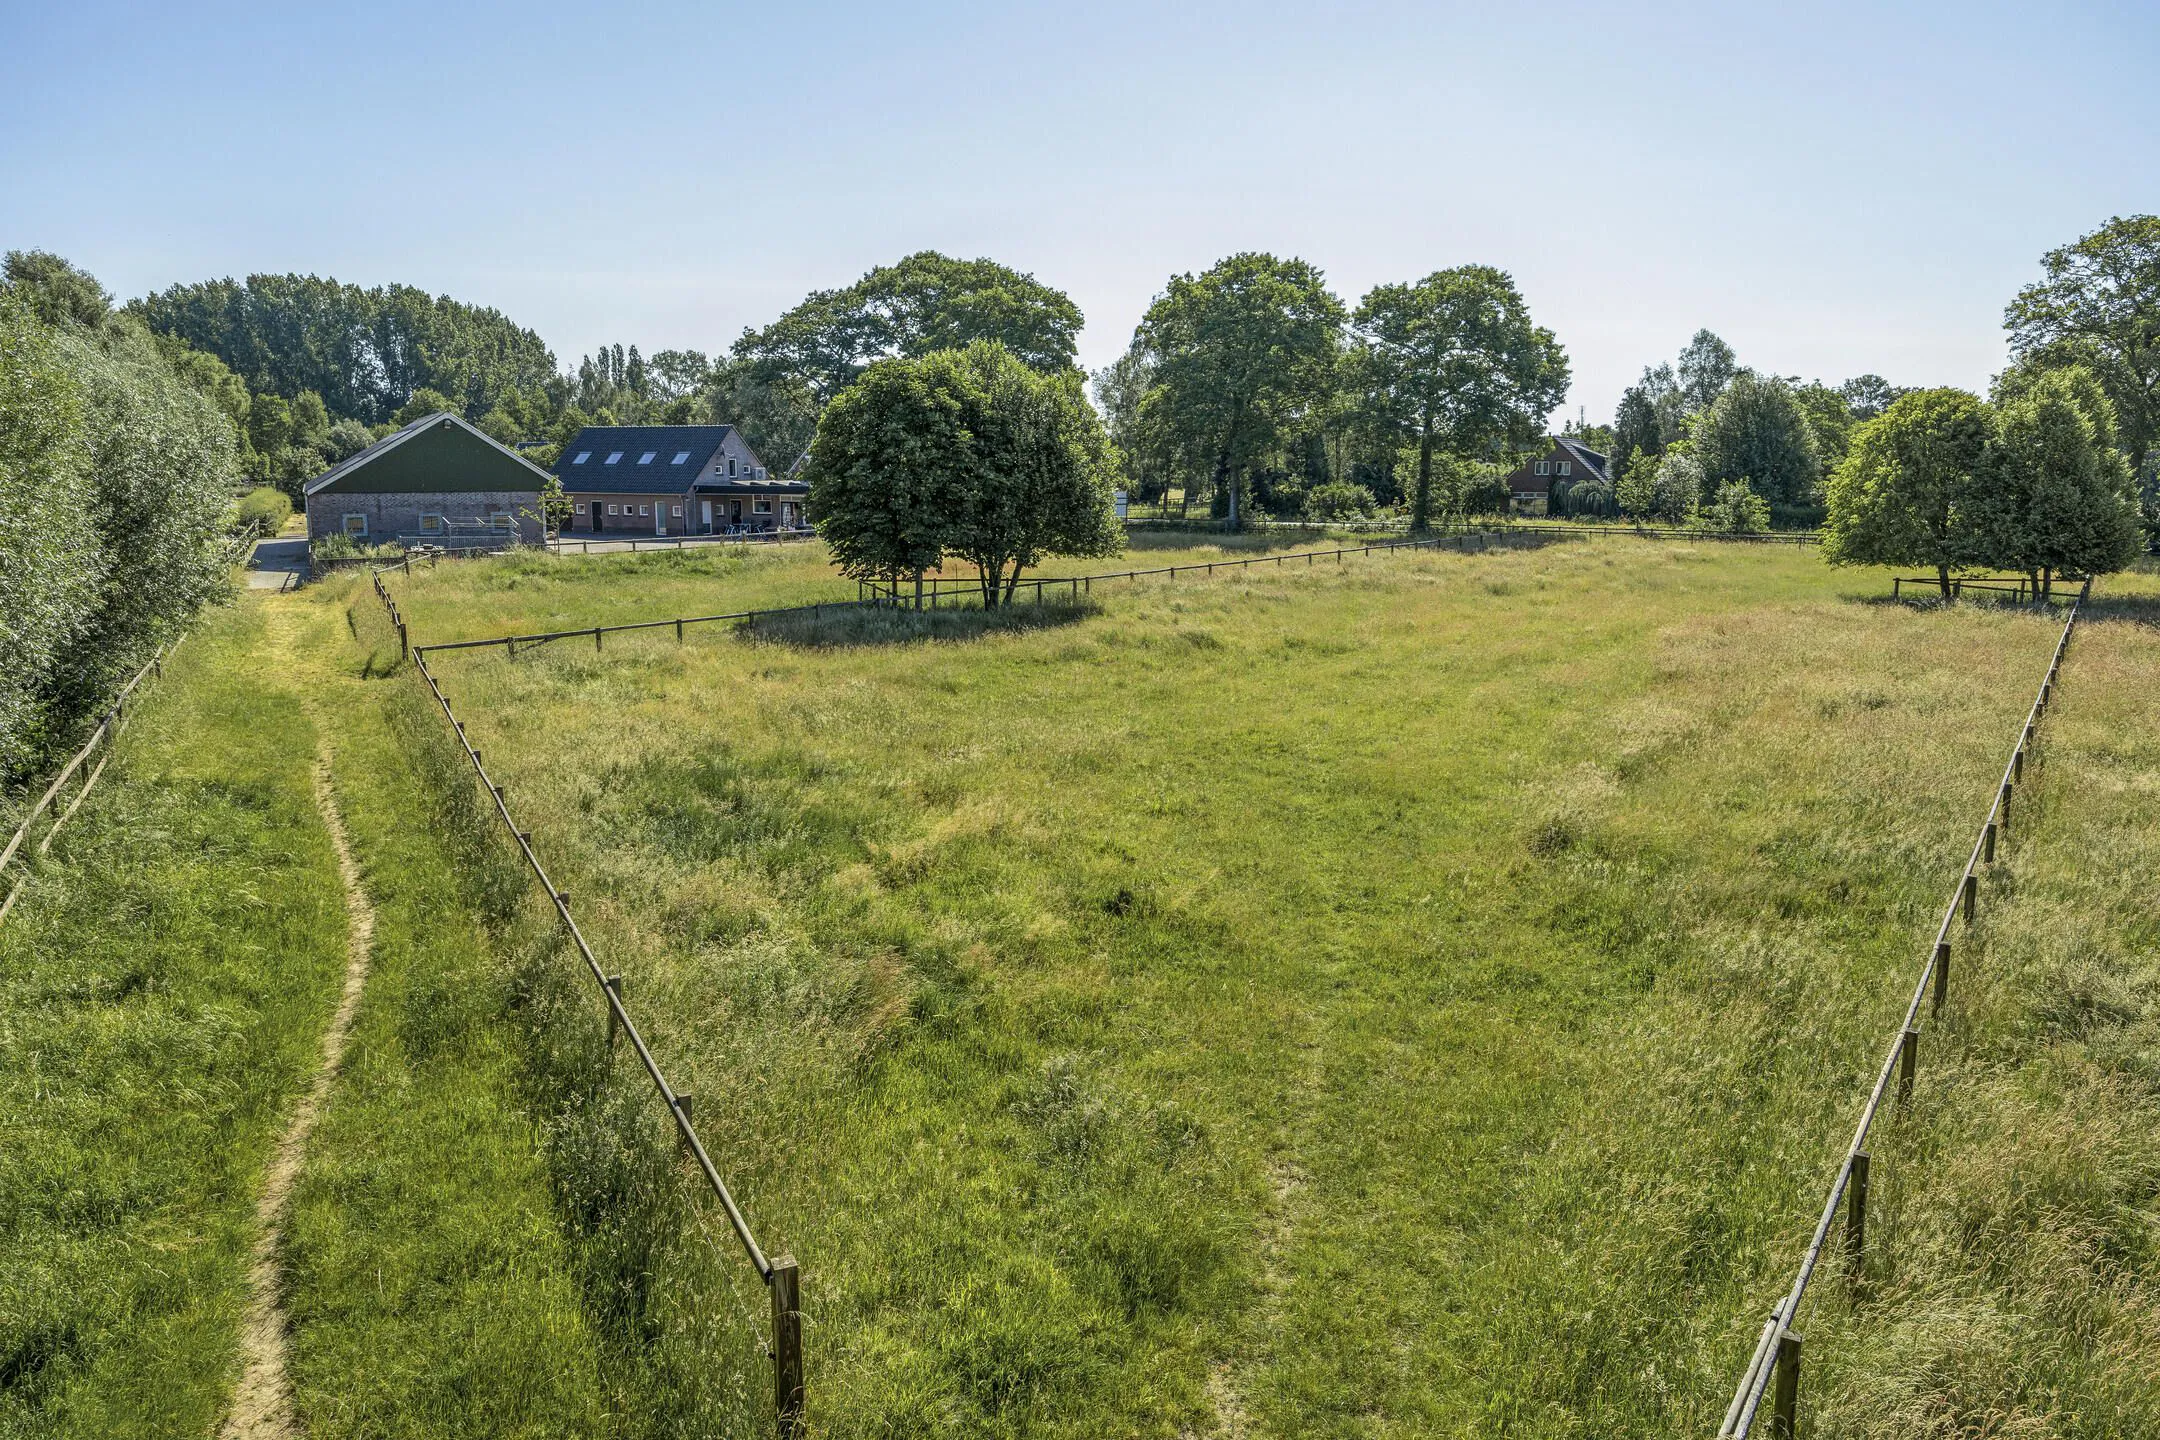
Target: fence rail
109, 726
561, 543
780, 1273
1776, 1359
2020, 587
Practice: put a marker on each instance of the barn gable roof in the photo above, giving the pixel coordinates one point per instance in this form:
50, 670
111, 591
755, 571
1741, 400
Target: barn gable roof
436, 454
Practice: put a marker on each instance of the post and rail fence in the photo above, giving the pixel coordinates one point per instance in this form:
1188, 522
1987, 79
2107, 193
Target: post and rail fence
1773, 1370
2017, 587
110, 724
780, 1273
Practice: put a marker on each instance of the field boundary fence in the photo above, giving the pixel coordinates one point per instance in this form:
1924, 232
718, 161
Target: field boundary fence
780, 1273
110, 723
938, 592
2017, 587
1773, 1370
108, 728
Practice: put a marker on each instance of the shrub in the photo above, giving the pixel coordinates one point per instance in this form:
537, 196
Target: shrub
265, 510
1339, 500
1735, 510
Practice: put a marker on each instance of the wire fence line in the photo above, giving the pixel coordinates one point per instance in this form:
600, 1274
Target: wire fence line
938, 592
107, 729
1776, 1358
781, 1274
110, 724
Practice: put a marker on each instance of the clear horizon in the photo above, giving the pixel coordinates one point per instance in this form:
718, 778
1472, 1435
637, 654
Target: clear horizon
1837, 193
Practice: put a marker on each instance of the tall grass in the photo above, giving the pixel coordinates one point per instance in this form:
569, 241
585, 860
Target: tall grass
164, 979
1423, 994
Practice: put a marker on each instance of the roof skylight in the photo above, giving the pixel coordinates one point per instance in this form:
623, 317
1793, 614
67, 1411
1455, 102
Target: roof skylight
646, 458
613, 456
582, 457
682, 457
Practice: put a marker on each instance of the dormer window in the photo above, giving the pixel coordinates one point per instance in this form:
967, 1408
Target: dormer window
613, 456
582, 457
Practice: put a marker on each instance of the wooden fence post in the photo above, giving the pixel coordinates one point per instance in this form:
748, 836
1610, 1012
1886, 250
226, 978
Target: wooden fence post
786, 1284
1908, 1061
1785, 1402
1942, 973
2003, 808
613, 985
1856, 1216
1972, 896
683, 1106
1987, 844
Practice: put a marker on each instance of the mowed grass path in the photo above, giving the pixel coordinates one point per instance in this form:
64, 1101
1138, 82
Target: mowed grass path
165, 979
1418, 995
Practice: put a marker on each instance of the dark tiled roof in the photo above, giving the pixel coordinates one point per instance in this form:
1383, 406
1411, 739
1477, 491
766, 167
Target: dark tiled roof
663, 475
1592, 460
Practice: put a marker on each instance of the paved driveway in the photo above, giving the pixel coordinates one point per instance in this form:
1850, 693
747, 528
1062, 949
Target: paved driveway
277, 564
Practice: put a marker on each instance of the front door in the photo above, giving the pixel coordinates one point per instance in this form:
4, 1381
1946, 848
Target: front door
707, 504
734, 512
597, 507
659, 518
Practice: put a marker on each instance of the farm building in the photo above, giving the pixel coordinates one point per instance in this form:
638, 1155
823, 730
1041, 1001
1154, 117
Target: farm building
1530, 486
438, 481
673, 480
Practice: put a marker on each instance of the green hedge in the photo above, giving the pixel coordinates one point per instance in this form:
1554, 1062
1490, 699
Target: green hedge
115, 479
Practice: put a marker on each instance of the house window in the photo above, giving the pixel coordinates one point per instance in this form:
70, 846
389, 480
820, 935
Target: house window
356, 524
613, 456
611, 510
678, 512
762, 505
644, 510
582, 457
1544, 467
731, 467
577, 507
647, 457
1567, 467
682, 457
431, 524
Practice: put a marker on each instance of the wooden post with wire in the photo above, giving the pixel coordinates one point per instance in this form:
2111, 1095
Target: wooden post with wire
1785, 1398
786, 1285
1942, 973
1908, 1062
1856, 1217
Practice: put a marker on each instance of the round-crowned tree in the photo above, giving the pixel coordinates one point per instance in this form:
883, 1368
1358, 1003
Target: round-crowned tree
964, 453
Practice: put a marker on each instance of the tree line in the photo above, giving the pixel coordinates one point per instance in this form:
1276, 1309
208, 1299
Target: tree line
117, 471
2053, 473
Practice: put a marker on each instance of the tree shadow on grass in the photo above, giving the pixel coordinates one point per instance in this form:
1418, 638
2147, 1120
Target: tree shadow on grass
2137, 609
839, 629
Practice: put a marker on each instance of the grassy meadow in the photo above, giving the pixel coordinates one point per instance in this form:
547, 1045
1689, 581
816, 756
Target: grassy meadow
1420, 995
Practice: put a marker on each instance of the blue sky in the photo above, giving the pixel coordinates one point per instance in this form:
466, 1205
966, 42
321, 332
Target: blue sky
1835, 189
